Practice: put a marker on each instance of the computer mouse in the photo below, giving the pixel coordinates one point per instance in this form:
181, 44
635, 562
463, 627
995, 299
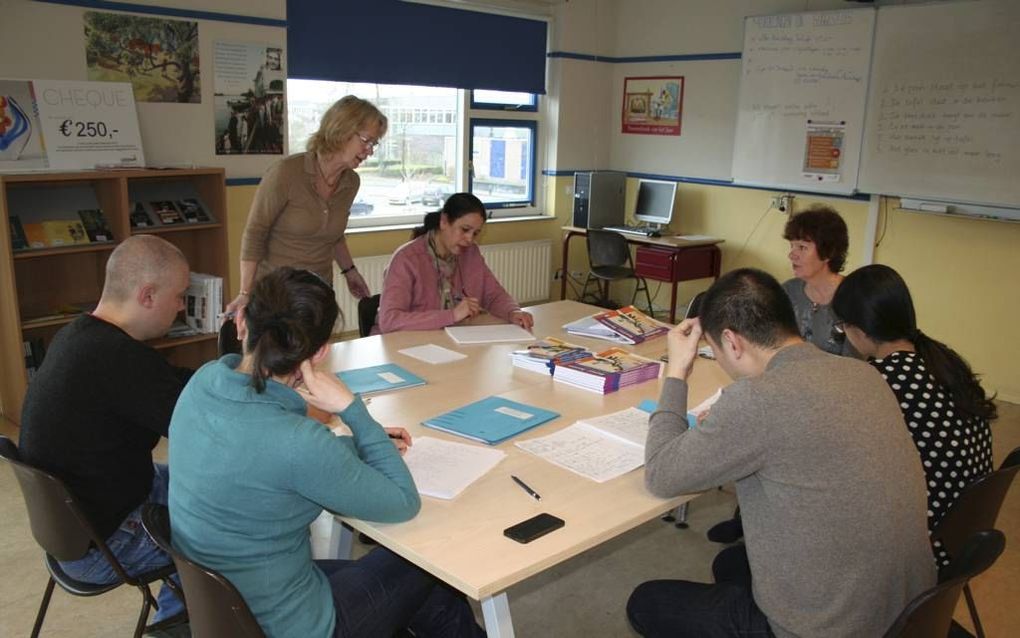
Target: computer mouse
654, 233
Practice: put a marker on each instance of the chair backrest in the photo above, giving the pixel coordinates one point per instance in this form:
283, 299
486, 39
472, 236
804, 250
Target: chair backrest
977, 507
607, 248
368, 308
931, 613
57, 523
227, 342
215, 608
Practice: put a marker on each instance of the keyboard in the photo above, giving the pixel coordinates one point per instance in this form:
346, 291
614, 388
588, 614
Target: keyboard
645, 231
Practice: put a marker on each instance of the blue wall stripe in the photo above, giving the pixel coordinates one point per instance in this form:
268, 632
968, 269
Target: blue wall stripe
691, 57
169, 12
714, 182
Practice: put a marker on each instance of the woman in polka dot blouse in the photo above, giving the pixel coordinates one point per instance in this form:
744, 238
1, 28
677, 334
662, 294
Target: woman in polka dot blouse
944, 406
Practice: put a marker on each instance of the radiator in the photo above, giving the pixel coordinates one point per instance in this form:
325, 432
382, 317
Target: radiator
522, 267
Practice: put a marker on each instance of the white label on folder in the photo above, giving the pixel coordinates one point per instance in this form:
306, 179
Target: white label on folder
389, 377
517, 414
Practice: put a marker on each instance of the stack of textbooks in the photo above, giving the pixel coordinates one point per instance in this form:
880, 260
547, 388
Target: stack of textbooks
543, 356
607, 371
203, 302
626, 325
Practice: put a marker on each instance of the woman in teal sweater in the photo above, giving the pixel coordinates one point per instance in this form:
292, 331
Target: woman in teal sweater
250, 472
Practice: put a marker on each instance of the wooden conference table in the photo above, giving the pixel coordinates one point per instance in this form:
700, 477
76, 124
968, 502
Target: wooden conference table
671, 259
461, 541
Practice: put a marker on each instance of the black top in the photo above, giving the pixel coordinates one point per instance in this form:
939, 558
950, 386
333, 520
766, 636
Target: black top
955, 447
94, 411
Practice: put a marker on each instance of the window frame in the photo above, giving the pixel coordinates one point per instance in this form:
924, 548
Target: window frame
476, 105
516, 208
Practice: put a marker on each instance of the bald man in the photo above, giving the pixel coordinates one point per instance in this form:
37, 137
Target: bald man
102, 399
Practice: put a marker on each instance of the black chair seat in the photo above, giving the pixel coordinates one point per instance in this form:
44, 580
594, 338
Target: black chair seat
81, 588
612, 272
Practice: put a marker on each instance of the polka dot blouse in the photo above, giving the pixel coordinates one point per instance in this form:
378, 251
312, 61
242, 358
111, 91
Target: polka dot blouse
955, 448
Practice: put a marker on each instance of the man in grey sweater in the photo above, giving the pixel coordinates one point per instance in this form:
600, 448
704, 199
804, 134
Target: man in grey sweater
828, 480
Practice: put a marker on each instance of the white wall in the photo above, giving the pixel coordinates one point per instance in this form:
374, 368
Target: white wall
47, 41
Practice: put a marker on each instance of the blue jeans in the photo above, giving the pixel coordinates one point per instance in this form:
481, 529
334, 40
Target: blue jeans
135, 551
381, 594
678, 608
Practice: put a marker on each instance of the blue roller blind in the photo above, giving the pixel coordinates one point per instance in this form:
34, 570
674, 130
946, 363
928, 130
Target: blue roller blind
393, 42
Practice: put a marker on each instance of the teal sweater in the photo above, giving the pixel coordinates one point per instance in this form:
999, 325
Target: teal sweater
249, 472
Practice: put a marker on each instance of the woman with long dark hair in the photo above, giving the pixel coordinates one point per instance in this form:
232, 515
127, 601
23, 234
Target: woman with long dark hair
439, 278
250, 472
944, 406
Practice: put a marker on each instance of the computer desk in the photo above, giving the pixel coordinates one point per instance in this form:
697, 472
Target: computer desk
461, 541
681, 260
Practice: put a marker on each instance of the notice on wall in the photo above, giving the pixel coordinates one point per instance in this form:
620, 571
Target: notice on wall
823, 149
69, 125
652, 105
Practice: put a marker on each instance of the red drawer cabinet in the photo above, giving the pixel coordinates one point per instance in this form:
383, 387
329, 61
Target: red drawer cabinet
668, 264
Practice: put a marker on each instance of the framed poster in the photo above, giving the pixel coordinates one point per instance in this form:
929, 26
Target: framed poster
652, 105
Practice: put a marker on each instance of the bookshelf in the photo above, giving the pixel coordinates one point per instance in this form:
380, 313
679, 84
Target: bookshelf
41, 286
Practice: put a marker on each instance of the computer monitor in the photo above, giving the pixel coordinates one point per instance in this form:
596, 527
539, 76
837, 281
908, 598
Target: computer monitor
655, 201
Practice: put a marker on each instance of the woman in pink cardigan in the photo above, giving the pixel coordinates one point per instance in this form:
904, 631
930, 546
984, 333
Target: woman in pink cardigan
439, 278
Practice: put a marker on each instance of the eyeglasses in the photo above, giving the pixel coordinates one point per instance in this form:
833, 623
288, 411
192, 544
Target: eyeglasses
368, 141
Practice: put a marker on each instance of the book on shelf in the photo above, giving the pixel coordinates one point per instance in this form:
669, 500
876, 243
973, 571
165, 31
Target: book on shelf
544, 355
388, 376
64, 232
491, 420
600, 448
203, 302
34, 350
36, 235
166, 212
631, 324
95, 225
443, 469
139, 216
19, 241
193, 211
608, 371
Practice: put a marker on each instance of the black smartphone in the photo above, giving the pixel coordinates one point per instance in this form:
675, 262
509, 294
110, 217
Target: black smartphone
533, 528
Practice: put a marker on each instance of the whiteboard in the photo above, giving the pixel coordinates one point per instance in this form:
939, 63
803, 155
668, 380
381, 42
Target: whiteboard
803, 88
944, 110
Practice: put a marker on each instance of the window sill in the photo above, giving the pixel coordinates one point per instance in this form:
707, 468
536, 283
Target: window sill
495, 220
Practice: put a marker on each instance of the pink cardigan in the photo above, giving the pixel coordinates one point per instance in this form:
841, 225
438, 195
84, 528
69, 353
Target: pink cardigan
410, 296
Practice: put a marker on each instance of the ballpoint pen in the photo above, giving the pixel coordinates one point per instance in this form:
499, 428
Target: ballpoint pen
527, 489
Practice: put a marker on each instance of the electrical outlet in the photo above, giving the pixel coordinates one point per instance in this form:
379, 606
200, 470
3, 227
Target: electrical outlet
577, 274
558, 274
783, 203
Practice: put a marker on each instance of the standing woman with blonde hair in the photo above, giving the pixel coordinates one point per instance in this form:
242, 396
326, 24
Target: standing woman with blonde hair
300, 212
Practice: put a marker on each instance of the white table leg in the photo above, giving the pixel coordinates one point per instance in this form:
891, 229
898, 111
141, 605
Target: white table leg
330, 539
496, 611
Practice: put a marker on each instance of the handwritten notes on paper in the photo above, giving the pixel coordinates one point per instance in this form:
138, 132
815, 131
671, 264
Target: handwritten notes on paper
443, 469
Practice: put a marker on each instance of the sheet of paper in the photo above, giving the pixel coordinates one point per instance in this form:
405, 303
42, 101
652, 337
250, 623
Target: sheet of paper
586, 451
631, 425
431, 353
695, 413
443, 469
498, 333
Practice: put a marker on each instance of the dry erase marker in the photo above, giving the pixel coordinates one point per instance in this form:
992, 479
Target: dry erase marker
527, 489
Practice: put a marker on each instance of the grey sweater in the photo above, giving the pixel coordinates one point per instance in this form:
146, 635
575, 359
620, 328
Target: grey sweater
829, 484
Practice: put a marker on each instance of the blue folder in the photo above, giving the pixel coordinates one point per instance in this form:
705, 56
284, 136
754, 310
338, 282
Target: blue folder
491, 420
388, 376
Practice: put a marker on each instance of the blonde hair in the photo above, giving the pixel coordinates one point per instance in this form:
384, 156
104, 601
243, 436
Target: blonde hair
342, 121
138, 261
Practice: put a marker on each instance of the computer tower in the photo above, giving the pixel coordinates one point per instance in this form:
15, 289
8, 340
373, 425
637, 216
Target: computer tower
598, 198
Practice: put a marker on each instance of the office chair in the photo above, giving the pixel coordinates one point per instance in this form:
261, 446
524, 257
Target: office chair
62, 530
609, 260
215, 608
368, 308
976, 508
931, 613
227, 342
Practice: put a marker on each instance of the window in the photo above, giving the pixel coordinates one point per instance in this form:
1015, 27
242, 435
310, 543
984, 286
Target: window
503, 100
503, 162
423, 157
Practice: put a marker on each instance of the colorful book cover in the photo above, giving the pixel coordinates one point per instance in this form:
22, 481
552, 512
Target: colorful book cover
167, 213
18, 239
139, 217
193, 211
556, 350
36, 235
66, 232
381, 378
95, 224
631, 323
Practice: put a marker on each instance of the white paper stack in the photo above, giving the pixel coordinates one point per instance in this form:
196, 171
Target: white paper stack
443, 469
203, 302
